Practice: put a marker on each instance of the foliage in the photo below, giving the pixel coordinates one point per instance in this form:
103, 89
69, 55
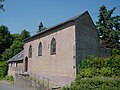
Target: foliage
109, 27
86, 72
15, 48
95, 83
11, 44
17, 37
5, 38
97, 74
105, 71
94, 66
25, 34
1, 5
6, 55
9, 78
115, 51
3, 69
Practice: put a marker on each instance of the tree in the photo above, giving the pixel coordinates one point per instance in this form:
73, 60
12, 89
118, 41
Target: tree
15, 48
109, 28
25, 34
5, 38
7, 54
1, 5
17, 37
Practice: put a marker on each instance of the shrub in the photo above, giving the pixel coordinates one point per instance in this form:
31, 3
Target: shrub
87, 62
115, 51
9, 78
115, 65
94, 62
86, 72
3, 69
99, 83
105, 71
97, 74
100, 66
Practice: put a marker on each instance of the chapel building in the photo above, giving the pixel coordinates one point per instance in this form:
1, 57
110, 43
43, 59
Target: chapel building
56, 52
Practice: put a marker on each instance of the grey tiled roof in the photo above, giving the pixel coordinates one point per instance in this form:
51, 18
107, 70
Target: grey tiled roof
17, 57
69, 20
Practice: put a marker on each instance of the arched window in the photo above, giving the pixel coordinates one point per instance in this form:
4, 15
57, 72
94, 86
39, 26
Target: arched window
40, 49
30, 52
53, 46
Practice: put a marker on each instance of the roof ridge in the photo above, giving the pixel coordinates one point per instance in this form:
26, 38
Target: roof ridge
66, 21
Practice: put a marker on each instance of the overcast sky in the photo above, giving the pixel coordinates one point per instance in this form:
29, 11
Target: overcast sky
27, 14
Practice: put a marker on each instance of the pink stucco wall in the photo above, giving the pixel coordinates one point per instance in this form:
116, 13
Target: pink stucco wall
15, 67
63, 62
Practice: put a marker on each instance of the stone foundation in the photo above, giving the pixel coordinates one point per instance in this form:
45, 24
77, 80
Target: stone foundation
25, 80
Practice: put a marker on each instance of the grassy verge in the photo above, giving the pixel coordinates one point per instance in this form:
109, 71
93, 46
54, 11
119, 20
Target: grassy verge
7, 79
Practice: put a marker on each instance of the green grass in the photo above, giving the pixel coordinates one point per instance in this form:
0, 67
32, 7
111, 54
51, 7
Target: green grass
7, 78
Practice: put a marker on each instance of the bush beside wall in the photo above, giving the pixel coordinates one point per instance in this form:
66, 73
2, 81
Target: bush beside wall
97, 74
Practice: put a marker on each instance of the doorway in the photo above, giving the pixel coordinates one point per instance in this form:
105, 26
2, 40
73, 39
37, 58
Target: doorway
26, 64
